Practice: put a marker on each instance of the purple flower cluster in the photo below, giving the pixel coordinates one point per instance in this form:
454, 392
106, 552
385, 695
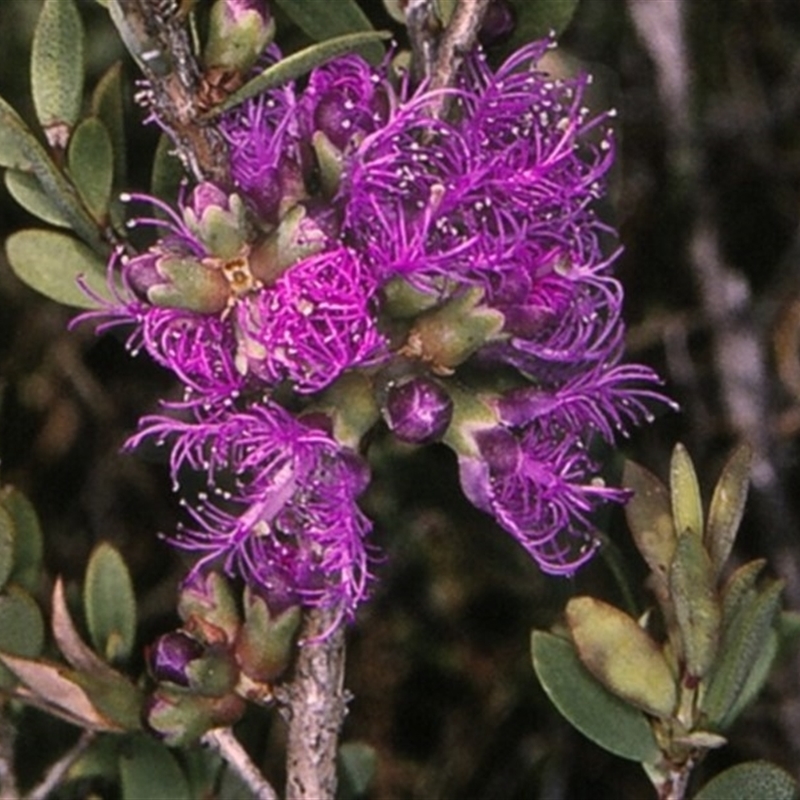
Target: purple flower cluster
362, 233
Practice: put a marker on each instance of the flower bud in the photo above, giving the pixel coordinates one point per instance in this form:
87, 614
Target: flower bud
170, 656
179, 717
498, 23
208, 608
418, 410
238, 32
218, 220
267, 638
401, 300
172, 281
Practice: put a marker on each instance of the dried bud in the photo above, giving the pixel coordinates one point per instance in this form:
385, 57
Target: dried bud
170, 656
239, 30
418, 410
178, 717
208, 608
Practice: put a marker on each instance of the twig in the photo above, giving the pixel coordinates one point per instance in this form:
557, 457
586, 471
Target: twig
315, 704
158, 38
439, 57
61, 767
228, 746
8, 778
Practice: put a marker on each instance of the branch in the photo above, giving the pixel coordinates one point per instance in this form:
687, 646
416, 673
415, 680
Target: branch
228, 746
161, 45
315, 704
8, 778
61, 767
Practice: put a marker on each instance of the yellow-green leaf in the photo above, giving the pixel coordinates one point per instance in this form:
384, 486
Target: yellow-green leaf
57, 69
21, 629
687, 507
621, 655
110, 603
107, 106
16, 139
52, 262
7, 536
597, 713
149, 771
727, 506
697, 608
649, 517
91, 164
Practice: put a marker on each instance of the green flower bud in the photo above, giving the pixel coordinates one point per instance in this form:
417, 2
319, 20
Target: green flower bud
239, 30
208, 608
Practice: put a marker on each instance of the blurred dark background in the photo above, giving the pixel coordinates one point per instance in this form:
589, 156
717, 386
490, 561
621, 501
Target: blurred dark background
706, 197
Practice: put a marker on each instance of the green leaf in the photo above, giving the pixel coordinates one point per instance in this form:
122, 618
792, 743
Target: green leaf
322, 20
727, 506
52, 262
108, 107
697, 609
110, 603
687, 507
168, 171
7, 536
738, 588
755, 680
100, 759
28, 540
753, 779
27, 191
21, 629
649, 517
592, 709
298, 64
91, 164
149, 771
742, 644
621, 655
57, 69
356, 764
536, 20
16, 139
23, 151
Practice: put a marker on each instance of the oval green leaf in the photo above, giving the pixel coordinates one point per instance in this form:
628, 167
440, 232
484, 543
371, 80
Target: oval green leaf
16, 139
108, 107
57, 69
297, 64
697, 609
537, 20
687, 507
621, 655
110, 603
167, 173
727, 506
52, 262
91, 164
21, 629
27, 191
7, 535
322, 20
599, 715
149, 771
356, 765
28, 541
753, 779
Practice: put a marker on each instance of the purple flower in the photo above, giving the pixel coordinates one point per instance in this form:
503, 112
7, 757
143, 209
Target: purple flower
543, 489
171, 654
345, 100
280, 510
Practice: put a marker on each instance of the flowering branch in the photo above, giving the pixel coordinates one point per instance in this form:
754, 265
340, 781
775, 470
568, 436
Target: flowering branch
161, 45
228, 746
315, 705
